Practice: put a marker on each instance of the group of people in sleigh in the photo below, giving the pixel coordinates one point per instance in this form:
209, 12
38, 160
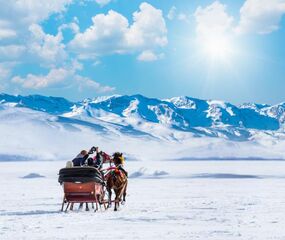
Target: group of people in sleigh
85, 158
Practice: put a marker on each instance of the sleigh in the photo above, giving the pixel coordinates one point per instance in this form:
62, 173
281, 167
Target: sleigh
82, 185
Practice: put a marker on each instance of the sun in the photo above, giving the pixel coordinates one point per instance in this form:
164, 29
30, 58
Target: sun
216, 47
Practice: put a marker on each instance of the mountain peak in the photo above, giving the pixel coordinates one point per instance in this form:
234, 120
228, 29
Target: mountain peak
183, 113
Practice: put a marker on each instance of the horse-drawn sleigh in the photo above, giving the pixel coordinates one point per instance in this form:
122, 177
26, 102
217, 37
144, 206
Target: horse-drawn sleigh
89, 185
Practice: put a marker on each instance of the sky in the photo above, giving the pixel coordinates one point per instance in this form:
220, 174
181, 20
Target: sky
226, 50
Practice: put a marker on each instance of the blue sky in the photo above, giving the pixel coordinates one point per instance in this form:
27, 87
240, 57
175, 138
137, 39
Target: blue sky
229, 50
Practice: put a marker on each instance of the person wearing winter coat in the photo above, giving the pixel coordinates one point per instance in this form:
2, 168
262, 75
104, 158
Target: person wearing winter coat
81, 158
98, 159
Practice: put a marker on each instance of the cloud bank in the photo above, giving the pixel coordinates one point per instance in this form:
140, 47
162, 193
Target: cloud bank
112, 33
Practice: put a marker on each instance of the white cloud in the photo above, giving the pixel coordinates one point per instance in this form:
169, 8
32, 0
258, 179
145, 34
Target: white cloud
149, 56
172, 13
52, 78
149, 28
17, 16
105, 36
260, 16
11, 52
6, 70
31, 11
111, 33
182, 17
85, 82
7, 33
20, 24
213, 19
72, 26
6, 30
58, 77
47, 47
96, 63
42, 81
256, 16
103, 2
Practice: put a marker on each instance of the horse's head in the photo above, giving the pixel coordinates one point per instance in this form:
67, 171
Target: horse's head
118, 158
117, 155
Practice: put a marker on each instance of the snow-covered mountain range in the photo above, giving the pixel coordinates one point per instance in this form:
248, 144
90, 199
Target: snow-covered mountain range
181, 127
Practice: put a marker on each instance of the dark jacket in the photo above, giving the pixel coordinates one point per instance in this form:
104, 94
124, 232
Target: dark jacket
79, 160
98, 161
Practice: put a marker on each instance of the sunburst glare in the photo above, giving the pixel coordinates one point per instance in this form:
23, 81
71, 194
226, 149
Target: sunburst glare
217, 47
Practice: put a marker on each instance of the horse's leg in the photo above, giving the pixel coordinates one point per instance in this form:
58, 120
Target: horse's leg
80, 205
103, 198
109, 197
71, 206
116, 202
125, 193
117, 198
96, 209
92, 205
96, 202
105, 205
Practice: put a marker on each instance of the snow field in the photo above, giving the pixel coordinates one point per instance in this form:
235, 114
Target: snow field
191, 200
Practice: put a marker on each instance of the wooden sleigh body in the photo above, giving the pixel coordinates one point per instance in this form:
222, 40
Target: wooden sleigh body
82, 185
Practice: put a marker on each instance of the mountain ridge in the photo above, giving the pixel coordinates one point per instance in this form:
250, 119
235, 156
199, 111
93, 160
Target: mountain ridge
183, 113
43, 127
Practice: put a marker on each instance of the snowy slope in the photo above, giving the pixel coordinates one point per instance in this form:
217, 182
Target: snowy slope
39, 127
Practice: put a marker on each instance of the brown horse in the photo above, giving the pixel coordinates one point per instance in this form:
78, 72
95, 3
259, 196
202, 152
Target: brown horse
117, 181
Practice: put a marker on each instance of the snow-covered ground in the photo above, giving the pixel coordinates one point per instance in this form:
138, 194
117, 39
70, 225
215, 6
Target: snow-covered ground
166, 200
